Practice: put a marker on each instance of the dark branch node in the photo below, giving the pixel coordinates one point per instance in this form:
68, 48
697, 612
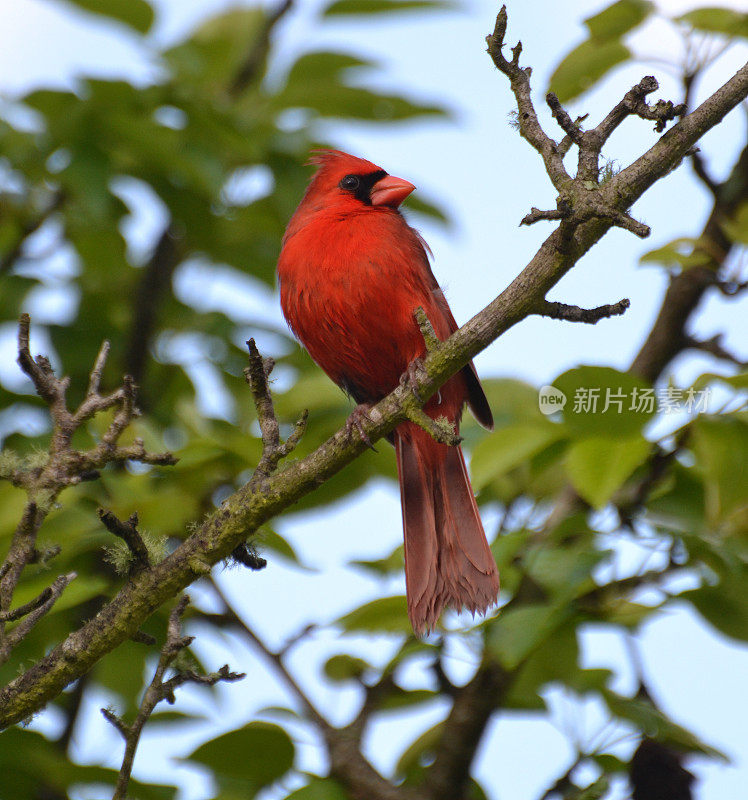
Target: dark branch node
128, 532
247, 556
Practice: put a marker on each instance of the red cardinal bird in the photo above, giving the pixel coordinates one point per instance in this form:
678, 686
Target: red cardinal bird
352, 272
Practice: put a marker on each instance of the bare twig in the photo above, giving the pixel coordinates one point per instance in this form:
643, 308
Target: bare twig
15, 251
441, 429
274, 659
44, 479
31, 613
431, 340
536, 215
634, 102
577, 314
714, 347
158, 690
273, 450
152, 286
559, 113
527, 118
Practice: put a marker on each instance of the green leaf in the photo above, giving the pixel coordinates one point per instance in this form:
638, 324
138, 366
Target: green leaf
736, 226
342, 668
598, 467
268, 539
682, 253
394, 562
512, 401
725, 605
585, 65
603, 402
739, 381
617, 19
350, 7
726, 21
508, 447
317, 82
209, 61
320, 789
595, 791
420, 748
721, 447
654, 723
609, 763
259, 753
679, 503
565, 571
385, 615
555, 659
516, 632
174, 717
138, 14
427, 208
406, 698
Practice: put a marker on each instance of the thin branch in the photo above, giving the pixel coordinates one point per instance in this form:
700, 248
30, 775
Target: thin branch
577, 314
634, 102
714, 347
32, 613
274, 659
152, 285
430, 339
559, 113
441, 429
15, 251
536, 215
158, 690
273, 450
47, 386
64, 466
527, 118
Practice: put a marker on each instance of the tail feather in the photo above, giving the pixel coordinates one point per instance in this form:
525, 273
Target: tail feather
447, 559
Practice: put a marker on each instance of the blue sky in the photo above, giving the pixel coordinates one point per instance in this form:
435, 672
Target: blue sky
488, 177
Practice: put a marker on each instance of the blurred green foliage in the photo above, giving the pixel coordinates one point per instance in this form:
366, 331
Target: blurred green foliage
79, 169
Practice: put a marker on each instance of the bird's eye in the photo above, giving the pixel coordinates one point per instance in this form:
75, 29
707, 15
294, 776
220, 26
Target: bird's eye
350, 182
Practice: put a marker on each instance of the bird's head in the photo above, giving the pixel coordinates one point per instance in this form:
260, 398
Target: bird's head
345, 181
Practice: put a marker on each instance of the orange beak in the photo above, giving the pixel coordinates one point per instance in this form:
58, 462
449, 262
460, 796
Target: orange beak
390, 191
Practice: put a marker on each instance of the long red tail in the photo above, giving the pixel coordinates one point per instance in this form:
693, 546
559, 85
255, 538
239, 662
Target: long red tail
447, 559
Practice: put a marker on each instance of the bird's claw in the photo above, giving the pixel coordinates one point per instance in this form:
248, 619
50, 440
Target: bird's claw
354, 422
409, 378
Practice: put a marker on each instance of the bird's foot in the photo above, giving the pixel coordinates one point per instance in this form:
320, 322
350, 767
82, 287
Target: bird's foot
359, 415
409, 378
